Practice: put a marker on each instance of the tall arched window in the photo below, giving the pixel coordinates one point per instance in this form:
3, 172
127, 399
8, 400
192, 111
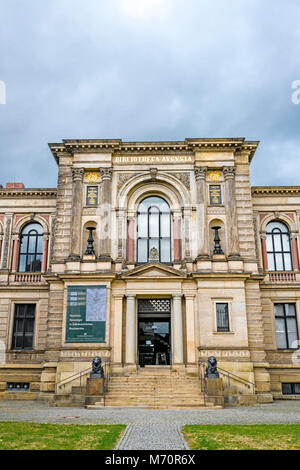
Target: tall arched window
278, 247
31, 249
154, 231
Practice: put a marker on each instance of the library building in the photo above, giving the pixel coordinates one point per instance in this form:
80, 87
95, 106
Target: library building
153, 257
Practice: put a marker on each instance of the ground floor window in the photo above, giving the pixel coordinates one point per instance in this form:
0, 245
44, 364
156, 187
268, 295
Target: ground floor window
222, 317
291, 388
23, 330
286, 326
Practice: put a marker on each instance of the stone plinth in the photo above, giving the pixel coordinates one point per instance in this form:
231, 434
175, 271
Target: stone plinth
214, 390
94, 387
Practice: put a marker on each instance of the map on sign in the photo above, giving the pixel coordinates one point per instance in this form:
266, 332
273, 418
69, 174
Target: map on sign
96, 305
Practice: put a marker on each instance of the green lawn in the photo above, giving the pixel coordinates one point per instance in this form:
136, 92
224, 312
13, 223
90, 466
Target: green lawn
237, 437
31, 436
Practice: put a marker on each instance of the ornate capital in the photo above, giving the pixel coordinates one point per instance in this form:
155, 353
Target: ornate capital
77, 174
200, 173
229, 172
106, 174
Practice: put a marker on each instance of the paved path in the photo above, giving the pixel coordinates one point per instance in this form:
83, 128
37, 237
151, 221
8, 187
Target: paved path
151, 429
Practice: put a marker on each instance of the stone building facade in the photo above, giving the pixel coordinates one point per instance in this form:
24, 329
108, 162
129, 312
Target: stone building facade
157, 284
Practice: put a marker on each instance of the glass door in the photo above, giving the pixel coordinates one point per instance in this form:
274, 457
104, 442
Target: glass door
154, 340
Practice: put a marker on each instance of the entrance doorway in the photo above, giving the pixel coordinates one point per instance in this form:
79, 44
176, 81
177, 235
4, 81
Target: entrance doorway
154, 332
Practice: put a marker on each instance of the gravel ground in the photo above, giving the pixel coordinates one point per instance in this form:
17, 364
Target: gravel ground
151, 429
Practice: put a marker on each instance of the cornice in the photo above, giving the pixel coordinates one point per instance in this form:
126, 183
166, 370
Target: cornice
277, 190
117, 146
29, 193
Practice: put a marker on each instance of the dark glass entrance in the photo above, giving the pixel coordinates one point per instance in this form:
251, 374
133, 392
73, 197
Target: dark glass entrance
154, 332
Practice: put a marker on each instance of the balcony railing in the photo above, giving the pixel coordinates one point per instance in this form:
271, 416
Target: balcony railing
282, 277
27, 278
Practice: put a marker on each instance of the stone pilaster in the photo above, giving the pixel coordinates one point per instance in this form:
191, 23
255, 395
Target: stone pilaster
190, 328
177, 329
105, 206
130, 354
117, 341
200, 175
6, 241
232, 227
77, 174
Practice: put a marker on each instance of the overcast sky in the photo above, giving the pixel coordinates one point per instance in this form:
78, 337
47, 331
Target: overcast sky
148, 70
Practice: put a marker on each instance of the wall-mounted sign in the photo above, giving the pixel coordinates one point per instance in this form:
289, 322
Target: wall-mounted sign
92, 196
215, 195
86, 314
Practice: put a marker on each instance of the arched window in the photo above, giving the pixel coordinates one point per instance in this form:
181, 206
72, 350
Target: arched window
154, 231
278, 247
31, 249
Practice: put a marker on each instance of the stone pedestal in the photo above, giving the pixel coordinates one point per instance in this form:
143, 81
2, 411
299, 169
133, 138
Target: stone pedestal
214, 390
95, 387
94, 391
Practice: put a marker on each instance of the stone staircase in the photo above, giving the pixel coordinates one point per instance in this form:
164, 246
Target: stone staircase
154, 389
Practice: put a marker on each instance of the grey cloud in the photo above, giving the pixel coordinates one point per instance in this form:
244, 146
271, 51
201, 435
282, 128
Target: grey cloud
76, 69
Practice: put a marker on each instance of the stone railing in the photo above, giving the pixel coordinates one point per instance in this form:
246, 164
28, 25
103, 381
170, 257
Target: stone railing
28, 278
282, 276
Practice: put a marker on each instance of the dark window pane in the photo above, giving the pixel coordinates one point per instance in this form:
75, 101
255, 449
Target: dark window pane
297, 389
142, 251
281, 334
165, 254
222, 317
287, 389
23, 326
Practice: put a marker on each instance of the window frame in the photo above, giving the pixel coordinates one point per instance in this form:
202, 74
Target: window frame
292, 384
285, 317
274, 252
218, 330
159, 238
14, 324
26, 254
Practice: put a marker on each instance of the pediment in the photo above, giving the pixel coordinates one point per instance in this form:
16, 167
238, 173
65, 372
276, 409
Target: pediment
154, 271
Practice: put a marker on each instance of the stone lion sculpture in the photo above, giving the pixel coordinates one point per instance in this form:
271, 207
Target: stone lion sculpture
211, 369
97, 368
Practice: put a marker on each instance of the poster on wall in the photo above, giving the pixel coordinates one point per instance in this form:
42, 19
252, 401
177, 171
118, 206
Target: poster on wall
86, 314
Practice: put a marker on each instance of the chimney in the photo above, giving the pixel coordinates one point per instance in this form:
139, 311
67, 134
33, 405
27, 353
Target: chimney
14, 186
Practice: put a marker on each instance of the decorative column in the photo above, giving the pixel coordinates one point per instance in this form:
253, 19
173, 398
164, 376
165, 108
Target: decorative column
45, 253
190, 328
118, 315
77, 174
177, 236
200, 175
264, 253
187, 214
6, 240
231, 215
177, 329
105, 229
295, 257
121, 220
130, 356
130, 240
15, 259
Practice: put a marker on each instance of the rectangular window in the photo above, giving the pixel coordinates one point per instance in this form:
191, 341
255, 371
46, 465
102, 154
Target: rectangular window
286, 326
222, 317
291, 389
23, 330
